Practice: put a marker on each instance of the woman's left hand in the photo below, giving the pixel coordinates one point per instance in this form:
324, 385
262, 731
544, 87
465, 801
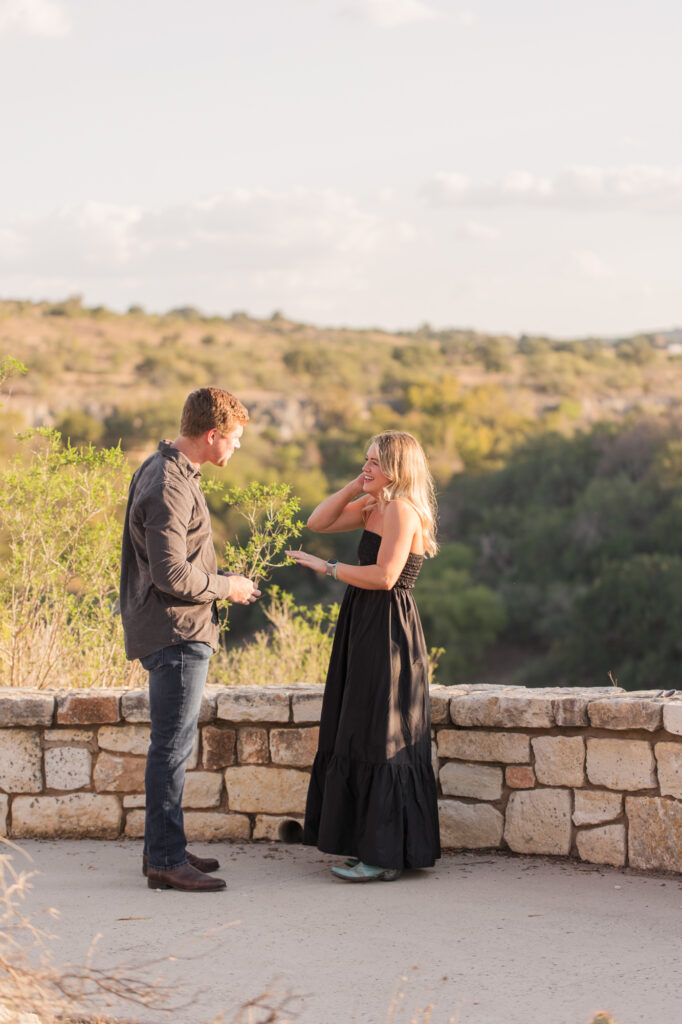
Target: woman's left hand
309, 561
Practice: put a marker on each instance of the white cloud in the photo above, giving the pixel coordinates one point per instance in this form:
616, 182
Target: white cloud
636, 186
588, 265
390, 13
34, 17
475, 230
259, 245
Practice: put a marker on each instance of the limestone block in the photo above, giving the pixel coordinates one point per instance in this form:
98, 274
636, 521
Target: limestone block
88, 707
135, 706
218, 746
249, 704
621, 764
202, 789
669, 758
67, 768
21, 707
593, 806
207, 826
69, 737
134, 800
307, 707
252, 745
440, 697
481, 687
475, 780
469, 826
267, 826
519, 776
119, 774
503, 710
625, 713
266, 790
655, 833
672, 717
539, 821
605, 845
473, 745
209, 704
20, 761
296, 747
124, 739
134, 828
559, 760
4, 808
570, 711
72, 816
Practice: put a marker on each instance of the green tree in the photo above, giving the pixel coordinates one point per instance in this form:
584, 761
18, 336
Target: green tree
458, 614
628, 624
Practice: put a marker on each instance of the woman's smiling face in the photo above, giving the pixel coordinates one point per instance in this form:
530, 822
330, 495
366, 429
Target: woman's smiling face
373, 479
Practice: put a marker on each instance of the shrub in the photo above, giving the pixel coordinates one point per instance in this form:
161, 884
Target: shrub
59, 577
295, 648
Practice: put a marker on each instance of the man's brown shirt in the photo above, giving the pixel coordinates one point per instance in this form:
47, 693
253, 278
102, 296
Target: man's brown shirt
169, 573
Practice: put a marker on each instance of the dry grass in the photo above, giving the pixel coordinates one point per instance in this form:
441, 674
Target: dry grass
32, 989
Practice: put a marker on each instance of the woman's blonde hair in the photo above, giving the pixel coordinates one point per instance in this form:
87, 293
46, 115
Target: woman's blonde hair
402, 460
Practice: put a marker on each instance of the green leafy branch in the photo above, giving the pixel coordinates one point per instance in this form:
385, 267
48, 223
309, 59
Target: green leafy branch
270, 513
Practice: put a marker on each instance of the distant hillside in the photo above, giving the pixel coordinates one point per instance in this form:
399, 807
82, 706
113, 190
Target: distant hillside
558, 464
91, 366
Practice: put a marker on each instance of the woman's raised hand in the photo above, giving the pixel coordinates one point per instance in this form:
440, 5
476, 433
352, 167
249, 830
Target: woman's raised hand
308, 561
357, 484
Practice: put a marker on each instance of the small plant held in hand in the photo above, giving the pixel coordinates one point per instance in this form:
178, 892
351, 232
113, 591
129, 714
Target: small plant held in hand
270, 512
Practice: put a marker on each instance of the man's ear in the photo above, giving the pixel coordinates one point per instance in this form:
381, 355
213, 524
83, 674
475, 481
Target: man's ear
210, 435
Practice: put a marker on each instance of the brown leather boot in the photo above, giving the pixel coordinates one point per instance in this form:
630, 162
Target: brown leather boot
186, 878
205, 864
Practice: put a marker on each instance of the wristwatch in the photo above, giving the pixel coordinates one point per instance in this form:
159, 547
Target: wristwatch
331, 567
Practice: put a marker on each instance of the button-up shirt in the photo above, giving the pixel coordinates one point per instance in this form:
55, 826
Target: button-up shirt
169, 574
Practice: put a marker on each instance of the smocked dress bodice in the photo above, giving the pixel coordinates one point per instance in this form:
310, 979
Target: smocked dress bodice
368, 550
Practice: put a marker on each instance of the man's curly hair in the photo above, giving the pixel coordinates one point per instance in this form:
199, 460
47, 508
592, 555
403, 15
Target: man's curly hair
211, 409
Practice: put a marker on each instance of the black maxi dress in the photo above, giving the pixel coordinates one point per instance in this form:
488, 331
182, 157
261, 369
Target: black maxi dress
372, 791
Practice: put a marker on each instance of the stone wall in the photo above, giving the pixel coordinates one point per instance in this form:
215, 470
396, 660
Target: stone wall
591, 773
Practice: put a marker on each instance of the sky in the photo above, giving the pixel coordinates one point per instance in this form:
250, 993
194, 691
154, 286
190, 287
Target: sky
508, 167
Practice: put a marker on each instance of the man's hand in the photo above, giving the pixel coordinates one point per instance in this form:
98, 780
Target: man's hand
242, 590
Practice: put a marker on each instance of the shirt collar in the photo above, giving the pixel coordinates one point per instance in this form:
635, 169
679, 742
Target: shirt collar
169, 451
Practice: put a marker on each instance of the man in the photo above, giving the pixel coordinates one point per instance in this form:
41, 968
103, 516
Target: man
169, 587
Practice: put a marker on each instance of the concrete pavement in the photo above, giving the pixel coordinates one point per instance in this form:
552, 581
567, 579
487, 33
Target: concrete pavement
484, 939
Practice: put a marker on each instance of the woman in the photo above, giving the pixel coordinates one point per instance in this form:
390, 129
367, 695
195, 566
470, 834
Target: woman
372, 794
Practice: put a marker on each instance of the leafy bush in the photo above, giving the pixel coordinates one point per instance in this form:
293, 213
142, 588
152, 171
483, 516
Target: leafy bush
295, 648
59, 576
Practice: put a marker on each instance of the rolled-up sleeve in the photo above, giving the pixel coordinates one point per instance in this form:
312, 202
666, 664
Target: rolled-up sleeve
166, 518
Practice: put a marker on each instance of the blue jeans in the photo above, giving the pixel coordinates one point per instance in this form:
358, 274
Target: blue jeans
177, 676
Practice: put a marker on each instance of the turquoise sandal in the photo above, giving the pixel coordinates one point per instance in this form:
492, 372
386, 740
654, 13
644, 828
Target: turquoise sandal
360, 872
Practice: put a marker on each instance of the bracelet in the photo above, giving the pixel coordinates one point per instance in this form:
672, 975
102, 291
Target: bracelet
336, 569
